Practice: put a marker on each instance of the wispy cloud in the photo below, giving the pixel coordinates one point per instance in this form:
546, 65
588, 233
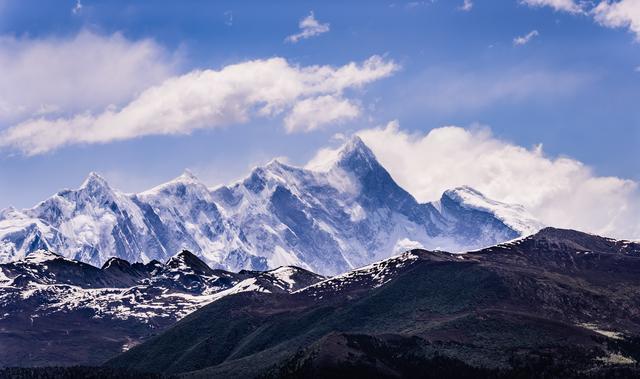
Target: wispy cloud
525, 39
209, 99
228, 18
466, 6
447, 90
309, 27
77, 8
558, 5
86, 72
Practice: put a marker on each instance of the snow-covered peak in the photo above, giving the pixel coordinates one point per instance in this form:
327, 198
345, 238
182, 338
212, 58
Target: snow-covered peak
272, 174
94, 181
350, 155
41, 256
367, 277
8, 212
286, 274
186, 261
276, 164
186, 179
513, 215
355, 145
187, 176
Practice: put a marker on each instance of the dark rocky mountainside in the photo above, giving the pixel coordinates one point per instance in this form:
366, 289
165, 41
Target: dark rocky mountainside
559, 303
57, 311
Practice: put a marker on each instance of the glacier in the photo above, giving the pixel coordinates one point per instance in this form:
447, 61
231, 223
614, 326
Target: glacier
330, 219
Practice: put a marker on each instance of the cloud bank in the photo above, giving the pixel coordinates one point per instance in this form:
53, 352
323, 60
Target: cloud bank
314, 113
560, 191
208, 99
86, 72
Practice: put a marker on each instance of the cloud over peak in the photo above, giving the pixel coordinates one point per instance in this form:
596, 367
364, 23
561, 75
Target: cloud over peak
560, 191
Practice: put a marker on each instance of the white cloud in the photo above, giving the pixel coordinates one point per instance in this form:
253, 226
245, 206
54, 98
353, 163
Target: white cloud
309, 27
608, 13
314, 113
620, 14
86, 72
562, 192
466, 6
201, 99
558, 5
523, 40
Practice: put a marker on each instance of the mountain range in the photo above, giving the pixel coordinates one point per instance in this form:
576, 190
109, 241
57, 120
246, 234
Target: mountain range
328, 220
57, 311
559, 303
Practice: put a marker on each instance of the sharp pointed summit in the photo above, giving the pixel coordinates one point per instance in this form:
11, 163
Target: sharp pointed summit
330, 220
94, 181
186, 260
188, 175
353, 154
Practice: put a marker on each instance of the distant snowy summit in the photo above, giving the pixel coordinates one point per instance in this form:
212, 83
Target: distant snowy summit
345, 213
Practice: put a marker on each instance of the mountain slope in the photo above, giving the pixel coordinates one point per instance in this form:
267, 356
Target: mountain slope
57, 311
558, 303
347, 214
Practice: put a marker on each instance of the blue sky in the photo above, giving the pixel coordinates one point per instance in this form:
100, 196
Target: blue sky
573, 87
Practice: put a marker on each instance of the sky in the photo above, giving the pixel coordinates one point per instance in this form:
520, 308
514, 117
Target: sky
534, 101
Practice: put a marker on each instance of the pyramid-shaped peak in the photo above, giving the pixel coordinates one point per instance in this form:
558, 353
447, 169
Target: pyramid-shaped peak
187, 261
356, 157
355, 145
116, 263
177, 186
275, 163
94, 180
188, 175
353, 155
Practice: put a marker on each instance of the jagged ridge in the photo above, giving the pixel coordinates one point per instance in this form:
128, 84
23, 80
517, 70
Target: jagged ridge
346, 214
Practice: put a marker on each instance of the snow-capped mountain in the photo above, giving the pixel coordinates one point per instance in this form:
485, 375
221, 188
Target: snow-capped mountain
144, 291
346, 214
